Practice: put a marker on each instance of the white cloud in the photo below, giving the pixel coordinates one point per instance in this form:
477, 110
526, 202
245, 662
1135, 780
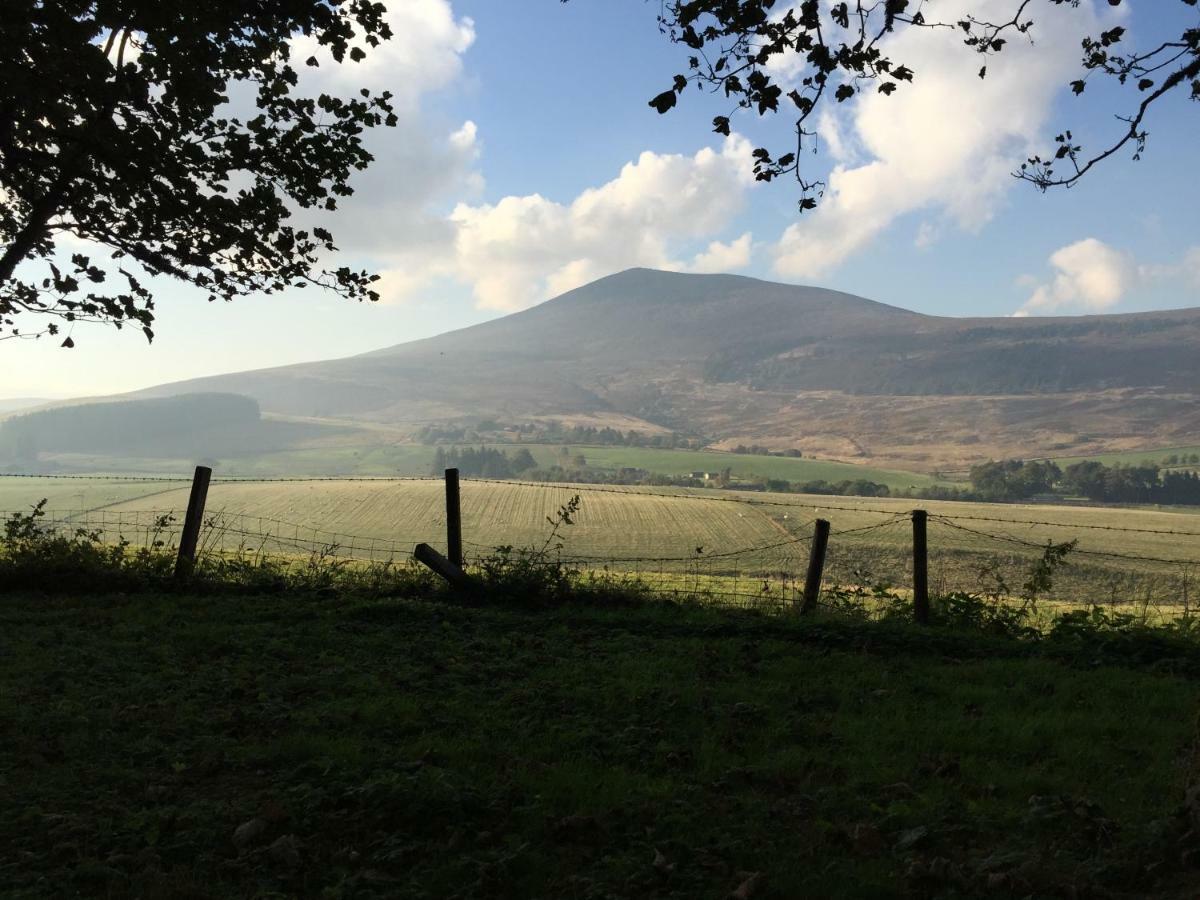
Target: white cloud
423, 54
945, 144
723, 257
1191, 266
1090, 277
521, 250
396, 217
927, 235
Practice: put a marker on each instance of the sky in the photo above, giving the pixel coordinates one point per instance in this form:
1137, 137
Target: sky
527, 162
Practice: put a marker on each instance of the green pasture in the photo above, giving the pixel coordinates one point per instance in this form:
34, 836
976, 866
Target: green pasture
281, 746
683, 462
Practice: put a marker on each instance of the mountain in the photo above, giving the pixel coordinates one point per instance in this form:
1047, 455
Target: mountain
12, 404
739, 360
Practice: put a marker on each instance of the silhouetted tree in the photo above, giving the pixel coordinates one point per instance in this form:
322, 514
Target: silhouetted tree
740, 48
116, 128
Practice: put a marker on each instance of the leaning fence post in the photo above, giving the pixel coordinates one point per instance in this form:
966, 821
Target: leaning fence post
453, 519
442, 566
816, 566
192, 521
920, 567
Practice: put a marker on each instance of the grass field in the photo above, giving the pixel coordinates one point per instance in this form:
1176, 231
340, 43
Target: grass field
365, 457
682, 462
662, 529
1132, 457
280, 746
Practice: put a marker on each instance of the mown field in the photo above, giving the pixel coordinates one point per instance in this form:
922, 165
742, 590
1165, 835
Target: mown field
359, 455
207, 747
671, 530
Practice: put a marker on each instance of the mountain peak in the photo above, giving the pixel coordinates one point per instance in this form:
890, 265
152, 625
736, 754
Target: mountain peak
732, 357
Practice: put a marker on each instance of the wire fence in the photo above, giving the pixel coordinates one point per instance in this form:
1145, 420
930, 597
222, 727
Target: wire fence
735, 548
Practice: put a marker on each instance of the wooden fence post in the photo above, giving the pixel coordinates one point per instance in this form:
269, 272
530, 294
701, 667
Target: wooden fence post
920, 567
442, 566
816, 566
186, 559
454, 550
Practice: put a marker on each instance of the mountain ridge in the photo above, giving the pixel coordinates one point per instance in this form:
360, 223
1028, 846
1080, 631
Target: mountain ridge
737, 358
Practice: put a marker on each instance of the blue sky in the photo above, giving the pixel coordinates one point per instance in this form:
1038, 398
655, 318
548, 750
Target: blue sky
527, 162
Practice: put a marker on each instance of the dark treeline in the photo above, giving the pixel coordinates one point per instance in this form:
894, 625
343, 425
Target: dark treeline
1013, 479
554, 433
760, 450
1181, 459
485, 462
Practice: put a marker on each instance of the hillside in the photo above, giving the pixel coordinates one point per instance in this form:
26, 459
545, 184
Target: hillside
739, 359
189, 426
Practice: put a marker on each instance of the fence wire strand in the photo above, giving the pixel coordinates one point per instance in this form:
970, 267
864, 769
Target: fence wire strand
967, 552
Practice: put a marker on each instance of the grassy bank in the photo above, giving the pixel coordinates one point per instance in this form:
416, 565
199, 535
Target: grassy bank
221, 746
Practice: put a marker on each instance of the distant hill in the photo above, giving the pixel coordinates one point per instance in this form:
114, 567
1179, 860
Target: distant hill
738, 359
190, 425
12, 404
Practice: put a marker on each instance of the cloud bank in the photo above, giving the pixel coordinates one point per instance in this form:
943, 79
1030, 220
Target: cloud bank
523, 249
943, 146
1091, 276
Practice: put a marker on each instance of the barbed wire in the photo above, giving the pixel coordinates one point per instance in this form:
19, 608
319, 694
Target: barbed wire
224, 528
137, 478
603, 489
225, 479
697, 557
1083, 525
223, 523
946, 520
865, 528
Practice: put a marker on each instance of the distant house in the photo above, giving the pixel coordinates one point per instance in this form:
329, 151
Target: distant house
703, 476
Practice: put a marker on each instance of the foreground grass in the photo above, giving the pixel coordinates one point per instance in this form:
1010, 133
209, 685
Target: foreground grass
419, 749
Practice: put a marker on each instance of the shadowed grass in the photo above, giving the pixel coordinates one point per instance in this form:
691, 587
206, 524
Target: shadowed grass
406, 748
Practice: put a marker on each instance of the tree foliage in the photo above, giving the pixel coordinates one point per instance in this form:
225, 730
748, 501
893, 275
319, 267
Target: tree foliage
1013, 479
741, 50
486, 462
177, 137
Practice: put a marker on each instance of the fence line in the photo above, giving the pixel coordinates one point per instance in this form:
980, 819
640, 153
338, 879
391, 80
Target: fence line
877, 554
948, 521
625, 490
